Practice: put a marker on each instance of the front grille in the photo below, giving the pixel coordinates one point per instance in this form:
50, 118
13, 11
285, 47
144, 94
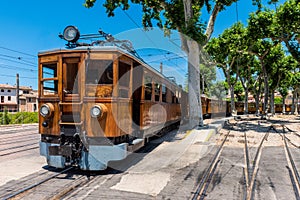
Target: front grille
70, 130
70, 118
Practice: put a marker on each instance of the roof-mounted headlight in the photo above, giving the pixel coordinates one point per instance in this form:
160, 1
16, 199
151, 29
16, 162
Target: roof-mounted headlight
71, 34
46, 110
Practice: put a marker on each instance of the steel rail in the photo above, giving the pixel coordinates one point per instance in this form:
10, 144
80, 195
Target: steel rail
18, 147
293, 171
255, 168
203, 185
21, 135
35, 185
7, 132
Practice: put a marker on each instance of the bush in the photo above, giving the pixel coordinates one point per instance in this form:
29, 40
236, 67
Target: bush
19, 118
5, 117
277, 100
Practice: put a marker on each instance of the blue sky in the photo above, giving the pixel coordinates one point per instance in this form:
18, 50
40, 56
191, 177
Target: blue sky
28, 27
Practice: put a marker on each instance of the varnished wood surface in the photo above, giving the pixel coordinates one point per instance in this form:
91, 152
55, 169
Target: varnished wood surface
117, 119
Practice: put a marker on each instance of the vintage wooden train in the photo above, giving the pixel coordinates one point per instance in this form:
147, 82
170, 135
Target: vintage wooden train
99, 101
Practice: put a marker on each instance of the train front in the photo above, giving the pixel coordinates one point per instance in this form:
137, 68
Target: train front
78, 102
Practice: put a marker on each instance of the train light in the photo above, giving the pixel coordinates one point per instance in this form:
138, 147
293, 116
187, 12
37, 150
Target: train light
71, 34
46, 110
45, 124
96, 111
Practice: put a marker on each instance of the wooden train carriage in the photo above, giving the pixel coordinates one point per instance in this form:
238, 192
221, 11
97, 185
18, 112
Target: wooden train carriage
98, 102
278, 108
288, 108
204, 104
239, 106
216, 107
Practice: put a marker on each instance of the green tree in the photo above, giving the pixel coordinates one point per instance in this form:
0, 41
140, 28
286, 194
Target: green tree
248, 67
295, 85
185, 17
217, 90
239, 91
224, 50
208, 75
278, 68
285, 27
283, 90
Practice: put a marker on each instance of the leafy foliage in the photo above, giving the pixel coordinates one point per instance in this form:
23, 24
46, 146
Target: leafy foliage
19, 118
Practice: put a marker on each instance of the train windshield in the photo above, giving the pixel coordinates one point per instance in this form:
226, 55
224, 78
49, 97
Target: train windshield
99, 78
99, 72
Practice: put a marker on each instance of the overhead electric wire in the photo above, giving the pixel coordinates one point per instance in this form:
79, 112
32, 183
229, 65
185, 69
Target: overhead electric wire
26, 77
14, 67
18, 51
23, 63
150, 39
18, 58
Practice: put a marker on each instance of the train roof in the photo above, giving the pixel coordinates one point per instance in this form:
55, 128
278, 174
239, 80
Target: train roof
107, 49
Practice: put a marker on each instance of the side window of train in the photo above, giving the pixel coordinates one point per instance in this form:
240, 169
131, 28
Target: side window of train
178, 96
49, 79
157, 87
124, 79
148, 87
99, 72
173, 97
164, 93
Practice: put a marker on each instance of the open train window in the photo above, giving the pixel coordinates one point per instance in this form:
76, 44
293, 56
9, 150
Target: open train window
124, 79
157, 91
49, 70
99, 72
70, 80
50, 87
49, 79
164, 93
148, 87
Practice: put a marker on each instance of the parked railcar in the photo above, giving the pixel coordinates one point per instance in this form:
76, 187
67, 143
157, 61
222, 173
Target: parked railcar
98, 102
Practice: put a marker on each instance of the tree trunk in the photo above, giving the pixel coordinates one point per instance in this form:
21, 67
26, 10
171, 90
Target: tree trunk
231, 90
233, 110
266, 90
246, 101
195, 107
296, 104
272, 102
293, 102
257, 96
193, 51
283, 105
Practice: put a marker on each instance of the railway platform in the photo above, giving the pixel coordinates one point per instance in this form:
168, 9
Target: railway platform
177, 151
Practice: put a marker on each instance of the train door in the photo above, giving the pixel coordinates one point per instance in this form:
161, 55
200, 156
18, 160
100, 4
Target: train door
70, 79
137, 83
71, 104
124, 103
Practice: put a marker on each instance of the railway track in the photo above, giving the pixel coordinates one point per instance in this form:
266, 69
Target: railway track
201, 190
14, 129
251, 167
70, 181
19, 139
291, 166
65, 181
251, 172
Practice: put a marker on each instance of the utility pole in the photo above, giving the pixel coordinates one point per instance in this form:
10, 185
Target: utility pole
17, 92
161, 68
